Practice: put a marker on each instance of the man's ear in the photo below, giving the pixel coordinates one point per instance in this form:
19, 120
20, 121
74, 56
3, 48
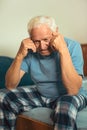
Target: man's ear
55, 33
57, 29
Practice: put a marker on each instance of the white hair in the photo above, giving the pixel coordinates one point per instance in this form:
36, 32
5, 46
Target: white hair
39, 20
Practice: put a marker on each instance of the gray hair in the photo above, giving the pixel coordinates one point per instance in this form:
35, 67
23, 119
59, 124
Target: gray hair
38, 20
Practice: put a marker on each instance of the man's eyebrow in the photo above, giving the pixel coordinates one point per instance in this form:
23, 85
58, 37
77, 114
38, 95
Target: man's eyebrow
47, 37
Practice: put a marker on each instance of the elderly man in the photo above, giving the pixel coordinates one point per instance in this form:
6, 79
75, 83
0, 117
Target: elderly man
55, 64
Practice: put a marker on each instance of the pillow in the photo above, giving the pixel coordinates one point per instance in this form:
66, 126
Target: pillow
5, 63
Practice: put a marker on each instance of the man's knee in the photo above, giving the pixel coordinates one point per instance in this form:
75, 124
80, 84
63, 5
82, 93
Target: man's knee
67, 102
3, 93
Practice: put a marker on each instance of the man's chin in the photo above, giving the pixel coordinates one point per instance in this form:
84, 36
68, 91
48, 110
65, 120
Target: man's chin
45, 52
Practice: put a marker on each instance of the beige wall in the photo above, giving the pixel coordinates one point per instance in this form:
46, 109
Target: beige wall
70, 15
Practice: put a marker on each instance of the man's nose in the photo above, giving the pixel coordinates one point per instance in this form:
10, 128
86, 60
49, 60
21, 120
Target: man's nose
43, 44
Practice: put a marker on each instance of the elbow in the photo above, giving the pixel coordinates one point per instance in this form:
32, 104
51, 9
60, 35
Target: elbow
74, 90
9, 84
79, 83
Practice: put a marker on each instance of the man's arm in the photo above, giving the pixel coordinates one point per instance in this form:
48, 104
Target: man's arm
14, 73
71, 79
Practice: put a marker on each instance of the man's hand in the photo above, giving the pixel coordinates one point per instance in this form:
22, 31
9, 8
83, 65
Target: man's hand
26, 45
57, 42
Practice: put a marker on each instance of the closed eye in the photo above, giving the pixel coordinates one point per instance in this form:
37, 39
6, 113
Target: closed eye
46, 40
37, 41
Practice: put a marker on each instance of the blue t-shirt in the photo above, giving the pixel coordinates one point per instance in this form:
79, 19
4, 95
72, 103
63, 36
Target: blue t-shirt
45, 71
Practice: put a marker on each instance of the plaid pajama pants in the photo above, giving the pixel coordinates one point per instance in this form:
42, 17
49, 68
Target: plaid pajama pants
23, 99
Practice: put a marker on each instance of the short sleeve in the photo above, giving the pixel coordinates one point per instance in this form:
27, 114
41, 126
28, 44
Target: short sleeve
26, 64
77, 58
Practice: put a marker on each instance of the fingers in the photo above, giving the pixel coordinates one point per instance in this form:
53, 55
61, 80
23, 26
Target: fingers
26, 45
54, 36
29, 45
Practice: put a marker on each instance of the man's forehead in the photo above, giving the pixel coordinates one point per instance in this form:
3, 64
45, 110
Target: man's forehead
39, 33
